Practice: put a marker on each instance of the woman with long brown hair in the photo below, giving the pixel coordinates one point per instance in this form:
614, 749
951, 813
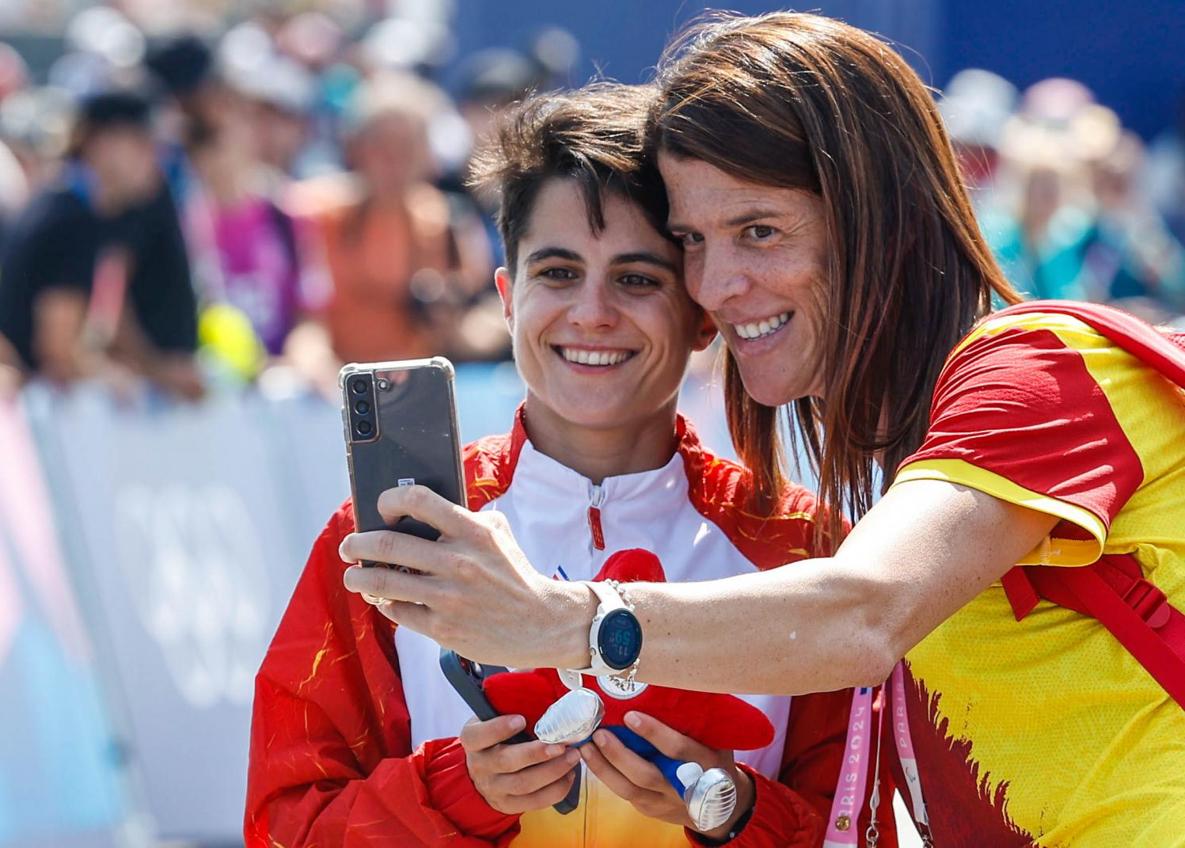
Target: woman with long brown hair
826, 231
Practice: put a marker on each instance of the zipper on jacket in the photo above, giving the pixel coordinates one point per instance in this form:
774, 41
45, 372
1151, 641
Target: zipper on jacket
594, 518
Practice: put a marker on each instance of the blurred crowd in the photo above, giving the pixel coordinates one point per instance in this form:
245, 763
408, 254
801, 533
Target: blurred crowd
264, 203
1073, 205
269, 198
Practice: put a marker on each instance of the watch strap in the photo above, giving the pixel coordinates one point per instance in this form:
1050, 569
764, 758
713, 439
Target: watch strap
608, 600
606, 592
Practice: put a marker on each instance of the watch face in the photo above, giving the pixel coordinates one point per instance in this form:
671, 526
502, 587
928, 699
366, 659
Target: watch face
620, 639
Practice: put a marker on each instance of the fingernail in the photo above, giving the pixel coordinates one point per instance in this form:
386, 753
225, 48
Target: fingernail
600, 737
517, 722
633, 721
555, 750
572, 757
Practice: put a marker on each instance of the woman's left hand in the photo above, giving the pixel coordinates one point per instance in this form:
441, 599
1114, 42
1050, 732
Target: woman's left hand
643, 785
477, 593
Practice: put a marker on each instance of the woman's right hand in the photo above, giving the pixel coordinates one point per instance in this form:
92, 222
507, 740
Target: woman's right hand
516, 777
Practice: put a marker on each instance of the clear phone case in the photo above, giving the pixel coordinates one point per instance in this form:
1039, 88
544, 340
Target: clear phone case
400, 421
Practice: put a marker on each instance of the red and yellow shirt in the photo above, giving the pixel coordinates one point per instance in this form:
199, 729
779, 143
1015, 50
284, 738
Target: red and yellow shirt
1047, 731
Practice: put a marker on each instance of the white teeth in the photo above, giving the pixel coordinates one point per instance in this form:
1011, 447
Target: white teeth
594, 357
757, 329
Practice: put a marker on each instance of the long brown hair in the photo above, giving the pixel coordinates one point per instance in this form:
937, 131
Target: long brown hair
802, 101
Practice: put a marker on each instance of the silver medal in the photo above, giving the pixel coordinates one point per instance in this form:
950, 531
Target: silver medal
571, 719
711, 796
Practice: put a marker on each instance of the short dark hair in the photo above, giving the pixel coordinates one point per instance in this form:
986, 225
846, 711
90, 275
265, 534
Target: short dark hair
115, 108
594, 136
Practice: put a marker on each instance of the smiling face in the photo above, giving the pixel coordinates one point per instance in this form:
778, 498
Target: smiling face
755, 257
602, 324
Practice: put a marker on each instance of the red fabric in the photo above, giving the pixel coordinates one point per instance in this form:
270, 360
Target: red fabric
1021, 404
490, 462
964, 807
330, 760
723, 491
1127, 331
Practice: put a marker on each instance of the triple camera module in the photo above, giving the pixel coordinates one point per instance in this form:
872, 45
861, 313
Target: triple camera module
363, 423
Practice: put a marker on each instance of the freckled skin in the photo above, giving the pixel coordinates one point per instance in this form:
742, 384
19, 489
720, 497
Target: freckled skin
752, 252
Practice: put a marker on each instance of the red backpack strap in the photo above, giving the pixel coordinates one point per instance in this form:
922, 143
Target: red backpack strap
1114, 590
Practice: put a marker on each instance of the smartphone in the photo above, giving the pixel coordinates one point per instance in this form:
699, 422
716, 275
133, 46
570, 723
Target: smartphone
400, 424
466, 676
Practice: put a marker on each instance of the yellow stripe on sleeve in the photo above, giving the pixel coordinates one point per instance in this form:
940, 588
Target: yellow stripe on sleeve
1053, 550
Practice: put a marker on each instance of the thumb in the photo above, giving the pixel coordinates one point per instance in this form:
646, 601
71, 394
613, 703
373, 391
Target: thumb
667, 740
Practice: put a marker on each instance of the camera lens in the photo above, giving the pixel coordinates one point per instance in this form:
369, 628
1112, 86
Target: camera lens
362, 407
359, 386
364, 428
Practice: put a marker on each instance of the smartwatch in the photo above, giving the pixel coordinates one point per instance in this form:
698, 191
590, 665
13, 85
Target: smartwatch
615, 638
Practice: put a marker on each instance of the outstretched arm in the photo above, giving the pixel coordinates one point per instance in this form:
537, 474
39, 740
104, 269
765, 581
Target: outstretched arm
926, 549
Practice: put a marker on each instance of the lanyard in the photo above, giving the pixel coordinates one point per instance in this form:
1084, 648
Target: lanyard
842, 830
905, 752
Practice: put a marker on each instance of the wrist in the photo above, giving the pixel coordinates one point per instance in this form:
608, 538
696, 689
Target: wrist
573, 614
452, 792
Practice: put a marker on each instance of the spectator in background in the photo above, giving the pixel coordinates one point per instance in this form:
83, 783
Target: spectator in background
280, 92
244, 249
1129, 254
404, 270
281, 99
246, 245
1065, 217
1033, 228
71, 260
975, 106
489, 82
1040, 214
